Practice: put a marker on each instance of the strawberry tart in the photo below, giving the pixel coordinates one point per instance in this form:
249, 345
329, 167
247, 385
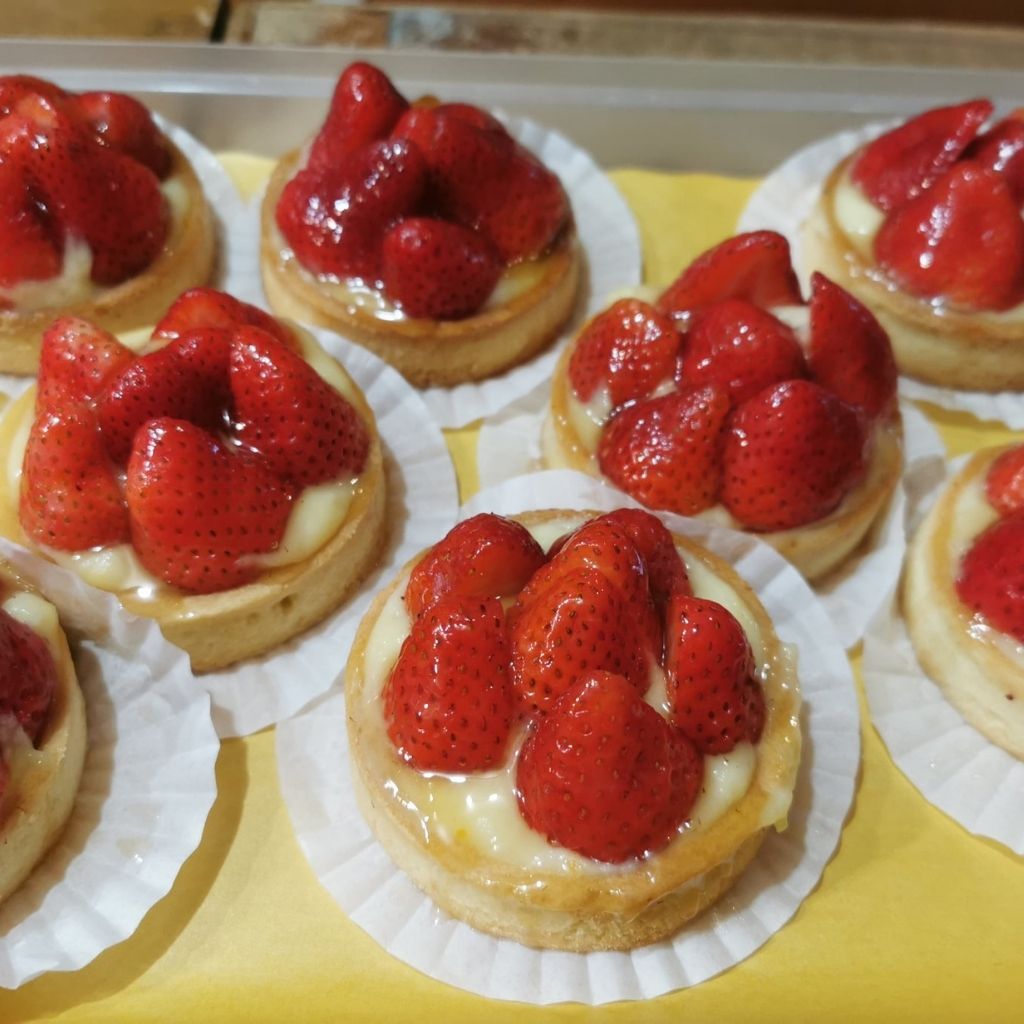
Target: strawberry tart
226, 479
425, 233
924, 225
42, 731
962, 596
731, 399
571, 730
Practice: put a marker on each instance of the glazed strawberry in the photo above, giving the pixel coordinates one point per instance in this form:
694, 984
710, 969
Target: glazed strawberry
709, 669
790, 455
1004, 484
77, 359
1001, 149
991, 580
753, 266
739, 347
665, 451
666, 571
437, 270
14, 87
31, 245
197, 508
605, 775
28, 676
903, 163
124, 124
70, 498
962, 240
448, 702
206, 307
484, 556
304, 430
850, 352
475, 116
631, 347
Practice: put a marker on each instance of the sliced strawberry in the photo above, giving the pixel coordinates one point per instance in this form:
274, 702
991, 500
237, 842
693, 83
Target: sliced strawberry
991, 580
305, 431
631, 347
448, 702
206, 307
484, 556
755, 266
850, 353
962, 240
77, 359
14, 87
197, 508
605, 775
739, 347
28, 676
790, 455
70, 497
1001, 149
904, 162
1004, 483
666, 452
31, 244
126, 125
666, 570
437, 270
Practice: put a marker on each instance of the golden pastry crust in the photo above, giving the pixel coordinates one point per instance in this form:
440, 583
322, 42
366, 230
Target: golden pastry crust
186, 260
618, 906
981, 672
977, 350
425, 352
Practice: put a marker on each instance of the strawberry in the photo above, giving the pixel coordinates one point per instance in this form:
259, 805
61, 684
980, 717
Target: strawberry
124, 124
14, 87
790, 455
448, 702
605, 775
473, 115
31, 244
739, 347
991, 580
70, 498
904, 162
437, 270
207, 307
666, 570
753, 266
665, 451
76, 361
1004, 483
28, 676
850, 352
709, 667
1001, 149
197, 508
484, 556
305, 431
631, 347
334, 218
962, 240
187, 379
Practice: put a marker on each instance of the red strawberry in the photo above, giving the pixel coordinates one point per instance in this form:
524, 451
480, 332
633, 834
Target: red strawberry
76, 361
14, 87
437, 270
739, 347
70, 498
31, 244
962, 240
605, 775
790, 455
1001, 149
197, 508
850, 351
630, 347
448, 702
28, 676
484, 556
187, 379
207, 307
665, 451
1004, 483
991, 580
712, 693
904, 162
475, 116
334, 217
666, 570
753, 266
124, 124
305, 431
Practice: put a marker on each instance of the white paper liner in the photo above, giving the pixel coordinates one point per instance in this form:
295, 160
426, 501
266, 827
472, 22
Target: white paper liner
146, 791
509, 445
784, 201
316, 784
611, 245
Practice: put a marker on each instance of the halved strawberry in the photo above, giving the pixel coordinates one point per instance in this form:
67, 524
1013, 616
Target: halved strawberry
126, 125
739, 347
991, 580
666, 452
14, 87
197, 508
755, 266
76, 361
448, 702
790, 455
1001, 149
666, 570
904, 162
1004, 483
28, 676
962, 240
605, 775
206, 307
31, 243
631, 347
